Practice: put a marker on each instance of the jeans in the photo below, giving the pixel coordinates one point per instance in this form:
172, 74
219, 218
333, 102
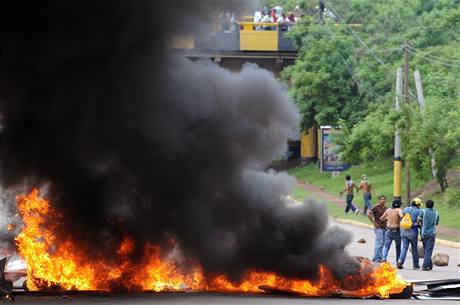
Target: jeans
350, 204
367, 202
390, 236
428, 245
409, 237
379, 239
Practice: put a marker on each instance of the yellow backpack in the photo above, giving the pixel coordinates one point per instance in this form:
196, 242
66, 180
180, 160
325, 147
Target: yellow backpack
406, 222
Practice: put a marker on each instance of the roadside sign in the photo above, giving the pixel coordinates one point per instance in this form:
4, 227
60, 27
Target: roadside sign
330, 161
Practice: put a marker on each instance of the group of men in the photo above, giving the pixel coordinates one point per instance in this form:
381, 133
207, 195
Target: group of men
388, 224
387, 227
364, 185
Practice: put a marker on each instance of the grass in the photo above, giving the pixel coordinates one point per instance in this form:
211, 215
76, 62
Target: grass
450, 215
381, 175
333, 210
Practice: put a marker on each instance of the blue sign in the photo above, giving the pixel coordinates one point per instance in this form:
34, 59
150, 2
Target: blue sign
330, 161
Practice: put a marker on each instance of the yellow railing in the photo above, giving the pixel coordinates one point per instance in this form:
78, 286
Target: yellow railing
258, 36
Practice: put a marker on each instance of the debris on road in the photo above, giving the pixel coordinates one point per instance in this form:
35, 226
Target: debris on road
448, 289
441, 259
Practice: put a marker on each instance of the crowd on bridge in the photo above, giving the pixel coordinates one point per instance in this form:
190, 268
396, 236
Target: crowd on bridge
267, 15
274, 15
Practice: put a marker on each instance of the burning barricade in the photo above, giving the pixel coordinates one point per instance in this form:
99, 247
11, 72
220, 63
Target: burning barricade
66, 266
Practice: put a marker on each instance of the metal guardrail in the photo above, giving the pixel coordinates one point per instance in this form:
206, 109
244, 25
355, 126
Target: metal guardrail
248, 36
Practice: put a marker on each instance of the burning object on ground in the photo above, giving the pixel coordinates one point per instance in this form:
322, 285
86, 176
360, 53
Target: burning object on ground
136, 148
66, 267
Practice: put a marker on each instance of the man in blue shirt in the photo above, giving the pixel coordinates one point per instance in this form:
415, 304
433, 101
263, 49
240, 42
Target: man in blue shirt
429, 219
410, 236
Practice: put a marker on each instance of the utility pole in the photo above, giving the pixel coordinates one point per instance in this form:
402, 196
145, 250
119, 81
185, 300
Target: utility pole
397, 157
406, 98
421, 101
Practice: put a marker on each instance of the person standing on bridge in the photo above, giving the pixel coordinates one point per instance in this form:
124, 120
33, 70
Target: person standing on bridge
366, 186
380, 226
258, 18
349, 186
266, 19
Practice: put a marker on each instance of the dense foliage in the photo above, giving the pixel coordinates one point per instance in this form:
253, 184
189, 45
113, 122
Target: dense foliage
345, 75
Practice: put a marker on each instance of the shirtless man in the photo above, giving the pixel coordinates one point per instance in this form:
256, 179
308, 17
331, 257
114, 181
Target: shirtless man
366, 186
393, 217
349, 186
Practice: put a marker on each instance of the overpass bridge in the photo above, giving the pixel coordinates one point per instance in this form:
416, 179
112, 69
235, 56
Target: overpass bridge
266, 44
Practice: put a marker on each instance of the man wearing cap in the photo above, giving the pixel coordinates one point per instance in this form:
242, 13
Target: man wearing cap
366, 186
410, 236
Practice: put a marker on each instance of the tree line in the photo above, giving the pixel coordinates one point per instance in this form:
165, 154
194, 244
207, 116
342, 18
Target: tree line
345, 75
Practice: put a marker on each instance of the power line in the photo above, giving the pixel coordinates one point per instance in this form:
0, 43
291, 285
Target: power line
349, 68
441, 59
433, 60
378, 59
372, 52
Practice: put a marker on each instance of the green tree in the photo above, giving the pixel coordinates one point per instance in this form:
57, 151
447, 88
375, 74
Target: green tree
321, 81
438, 129
345, 75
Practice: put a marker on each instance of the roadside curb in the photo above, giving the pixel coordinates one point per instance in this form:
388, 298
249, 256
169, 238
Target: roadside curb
439, 241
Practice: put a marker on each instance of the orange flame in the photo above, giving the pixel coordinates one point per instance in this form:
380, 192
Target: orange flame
67, 266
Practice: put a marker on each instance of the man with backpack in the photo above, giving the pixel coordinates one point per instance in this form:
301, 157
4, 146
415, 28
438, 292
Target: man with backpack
428, 219
409, 233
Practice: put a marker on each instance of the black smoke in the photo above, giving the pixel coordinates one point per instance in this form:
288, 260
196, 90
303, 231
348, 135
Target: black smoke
130, 140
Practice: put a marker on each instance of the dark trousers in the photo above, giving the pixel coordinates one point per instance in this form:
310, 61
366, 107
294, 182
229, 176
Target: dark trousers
428, 245
350, 205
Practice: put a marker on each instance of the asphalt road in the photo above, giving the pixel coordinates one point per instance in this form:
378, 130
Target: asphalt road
208, 298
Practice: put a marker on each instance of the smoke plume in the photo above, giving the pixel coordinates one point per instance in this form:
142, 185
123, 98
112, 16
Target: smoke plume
130, 140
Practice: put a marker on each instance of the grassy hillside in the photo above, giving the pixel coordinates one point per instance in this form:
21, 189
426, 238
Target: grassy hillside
381, 175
